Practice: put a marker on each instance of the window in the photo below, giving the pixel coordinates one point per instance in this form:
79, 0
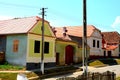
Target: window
98, 45
109, 54
15, 45
46, 47
37, 46
93, 43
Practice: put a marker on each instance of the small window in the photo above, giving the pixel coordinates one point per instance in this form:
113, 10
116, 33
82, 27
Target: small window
46, 47
37, 46
93, 43
98, 44
15, 45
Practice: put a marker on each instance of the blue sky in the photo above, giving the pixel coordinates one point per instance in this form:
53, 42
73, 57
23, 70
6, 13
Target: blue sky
104, 14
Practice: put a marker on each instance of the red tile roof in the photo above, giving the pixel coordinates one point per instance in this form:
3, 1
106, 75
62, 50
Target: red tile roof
111, 37
111, 47
20, 25
75, 31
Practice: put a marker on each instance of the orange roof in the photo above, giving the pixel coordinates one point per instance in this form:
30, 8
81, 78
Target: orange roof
75, 31
20, 25
111, 47
111, 37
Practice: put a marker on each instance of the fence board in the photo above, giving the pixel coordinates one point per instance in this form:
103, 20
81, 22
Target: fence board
93, 76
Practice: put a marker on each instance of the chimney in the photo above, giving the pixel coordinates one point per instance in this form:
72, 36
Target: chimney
38, 18
64, 31
54, 31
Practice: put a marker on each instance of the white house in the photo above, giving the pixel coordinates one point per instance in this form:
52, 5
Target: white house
94, 38
111, 44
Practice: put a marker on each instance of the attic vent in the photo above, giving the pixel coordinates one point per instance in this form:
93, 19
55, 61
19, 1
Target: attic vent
64, 31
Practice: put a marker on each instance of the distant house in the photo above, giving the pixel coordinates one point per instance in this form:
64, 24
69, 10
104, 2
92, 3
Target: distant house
94, 39
111, 44
20, 39
68, 47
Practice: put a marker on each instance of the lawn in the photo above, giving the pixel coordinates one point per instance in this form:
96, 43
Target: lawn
10, 67
8, 76
104, 62
13, 76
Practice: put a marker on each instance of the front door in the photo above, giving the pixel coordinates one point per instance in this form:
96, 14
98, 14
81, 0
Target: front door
109, 54
104, 54
69, 50
57, 58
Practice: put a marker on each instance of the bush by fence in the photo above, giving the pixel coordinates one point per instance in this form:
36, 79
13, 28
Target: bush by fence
93, 76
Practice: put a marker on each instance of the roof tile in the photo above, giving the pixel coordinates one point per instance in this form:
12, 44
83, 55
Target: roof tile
111, 37
75, 31
20, 25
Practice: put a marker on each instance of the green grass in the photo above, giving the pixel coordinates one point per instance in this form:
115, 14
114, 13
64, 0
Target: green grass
95, 63
8, 76
118, 78
7, 66
13, 76
104, 62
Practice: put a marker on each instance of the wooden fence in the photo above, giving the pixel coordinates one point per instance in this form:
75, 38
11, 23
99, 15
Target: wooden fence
93, 76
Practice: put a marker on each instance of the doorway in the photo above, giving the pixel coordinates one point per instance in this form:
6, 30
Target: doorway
69, 50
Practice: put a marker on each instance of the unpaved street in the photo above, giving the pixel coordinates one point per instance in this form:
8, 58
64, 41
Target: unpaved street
114, 68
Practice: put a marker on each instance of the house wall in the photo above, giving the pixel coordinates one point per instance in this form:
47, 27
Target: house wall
94, 51
34, 59
114, 53
17, 58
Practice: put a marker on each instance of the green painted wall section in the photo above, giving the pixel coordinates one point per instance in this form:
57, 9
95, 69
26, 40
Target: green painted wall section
37, 29
60, 48
47, 55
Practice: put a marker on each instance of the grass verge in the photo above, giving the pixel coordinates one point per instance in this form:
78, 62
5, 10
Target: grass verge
8, 76
6, 66
104, 62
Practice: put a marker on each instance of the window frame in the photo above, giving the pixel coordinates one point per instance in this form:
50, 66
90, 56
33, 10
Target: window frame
94, 41
46, 47
15, 45
98, 44
36, 46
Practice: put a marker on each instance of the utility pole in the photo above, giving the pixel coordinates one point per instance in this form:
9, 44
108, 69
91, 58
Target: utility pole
85, 56
42, 51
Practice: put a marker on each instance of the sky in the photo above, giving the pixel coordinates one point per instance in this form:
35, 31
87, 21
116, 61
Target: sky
103, 14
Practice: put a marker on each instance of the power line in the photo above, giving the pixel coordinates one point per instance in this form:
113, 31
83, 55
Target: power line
18, 5
52, 12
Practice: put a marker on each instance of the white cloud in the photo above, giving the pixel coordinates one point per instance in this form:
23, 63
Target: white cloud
5, 17
116, 23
